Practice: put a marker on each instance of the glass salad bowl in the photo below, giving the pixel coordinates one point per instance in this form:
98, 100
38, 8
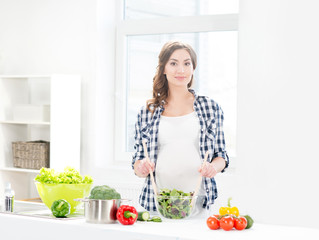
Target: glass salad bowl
175, 204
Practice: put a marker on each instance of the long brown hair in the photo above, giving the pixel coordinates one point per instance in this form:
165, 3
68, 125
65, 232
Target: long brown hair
160, 84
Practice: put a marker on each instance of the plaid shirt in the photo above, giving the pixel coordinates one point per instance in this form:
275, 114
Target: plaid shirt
211, 139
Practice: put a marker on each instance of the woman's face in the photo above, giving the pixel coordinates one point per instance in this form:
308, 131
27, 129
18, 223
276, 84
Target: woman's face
179, 68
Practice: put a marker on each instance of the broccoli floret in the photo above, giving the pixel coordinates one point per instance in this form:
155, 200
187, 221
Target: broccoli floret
104, 192
60, 208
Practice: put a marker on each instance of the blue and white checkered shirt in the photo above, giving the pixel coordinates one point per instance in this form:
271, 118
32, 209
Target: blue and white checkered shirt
211, 139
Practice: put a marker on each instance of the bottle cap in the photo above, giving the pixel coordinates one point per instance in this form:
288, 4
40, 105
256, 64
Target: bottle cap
8, 185
8, 190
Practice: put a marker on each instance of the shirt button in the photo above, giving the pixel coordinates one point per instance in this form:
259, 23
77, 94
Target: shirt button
202, 130
207, 190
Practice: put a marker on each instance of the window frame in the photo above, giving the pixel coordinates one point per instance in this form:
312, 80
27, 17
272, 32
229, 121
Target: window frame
133, 27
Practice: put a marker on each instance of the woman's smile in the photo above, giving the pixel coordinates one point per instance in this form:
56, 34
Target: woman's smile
181, 78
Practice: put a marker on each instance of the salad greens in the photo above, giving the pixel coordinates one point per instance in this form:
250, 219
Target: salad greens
68, 176
174, 204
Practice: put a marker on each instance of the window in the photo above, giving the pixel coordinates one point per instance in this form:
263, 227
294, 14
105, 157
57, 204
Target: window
145, 9
139, 41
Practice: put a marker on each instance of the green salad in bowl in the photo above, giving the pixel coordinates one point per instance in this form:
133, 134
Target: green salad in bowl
174, 204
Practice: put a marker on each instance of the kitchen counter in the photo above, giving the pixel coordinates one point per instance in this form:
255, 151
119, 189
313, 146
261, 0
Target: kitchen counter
27, 227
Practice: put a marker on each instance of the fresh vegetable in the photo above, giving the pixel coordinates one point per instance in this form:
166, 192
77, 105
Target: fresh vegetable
229, 209
143, 216
174, 204
212, 222
155, 219
60, 208
240, 223
68, 176
127, 215
226, 223
250, 221
104, 192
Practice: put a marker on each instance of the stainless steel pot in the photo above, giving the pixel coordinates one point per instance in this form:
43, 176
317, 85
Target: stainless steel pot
100, 211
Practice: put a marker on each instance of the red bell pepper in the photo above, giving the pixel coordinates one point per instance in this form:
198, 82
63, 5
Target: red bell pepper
127, 215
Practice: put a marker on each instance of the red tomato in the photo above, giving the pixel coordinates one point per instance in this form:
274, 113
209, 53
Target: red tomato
212, 223
240, 223
226, 223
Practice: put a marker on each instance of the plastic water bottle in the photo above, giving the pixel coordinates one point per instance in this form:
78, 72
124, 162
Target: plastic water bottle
8, 198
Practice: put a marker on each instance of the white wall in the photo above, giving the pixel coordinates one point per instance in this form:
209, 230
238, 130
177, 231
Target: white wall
278, 80
71, 37
277, 110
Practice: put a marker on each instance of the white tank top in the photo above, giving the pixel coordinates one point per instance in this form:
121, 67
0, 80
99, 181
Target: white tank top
178, 154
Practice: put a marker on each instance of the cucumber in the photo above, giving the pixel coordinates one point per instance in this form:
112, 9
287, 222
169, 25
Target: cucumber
143, 216
155, 219
250, 221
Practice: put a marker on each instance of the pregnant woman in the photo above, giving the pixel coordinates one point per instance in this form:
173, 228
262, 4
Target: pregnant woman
179, 127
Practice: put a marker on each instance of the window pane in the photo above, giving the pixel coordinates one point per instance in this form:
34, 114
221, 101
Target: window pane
139, 9
215, 76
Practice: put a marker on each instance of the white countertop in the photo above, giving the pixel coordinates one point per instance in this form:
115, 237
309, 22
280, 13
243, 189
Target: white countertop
26, 227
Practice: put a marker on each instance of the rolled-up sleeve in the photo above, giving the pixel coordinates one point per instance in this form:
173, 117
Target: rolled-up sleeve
138, 153
220, 145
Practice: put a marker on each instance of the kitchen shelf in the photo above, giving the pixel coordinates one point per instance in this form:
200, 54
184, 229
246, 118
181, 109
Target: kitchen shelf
25, 76
25, 123
39, 107
13, 169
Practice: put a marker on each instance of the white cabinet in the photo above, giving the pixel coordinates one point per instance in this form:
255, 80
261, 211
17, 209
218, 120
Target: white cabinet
39, 108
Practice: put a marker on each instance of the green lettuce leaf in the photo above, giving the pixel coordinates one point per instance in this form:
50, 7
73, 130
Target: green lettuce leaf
68, 176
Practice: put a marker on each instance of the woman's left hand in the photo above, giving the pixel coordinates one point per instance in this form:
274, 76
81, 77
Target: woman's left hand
208, 170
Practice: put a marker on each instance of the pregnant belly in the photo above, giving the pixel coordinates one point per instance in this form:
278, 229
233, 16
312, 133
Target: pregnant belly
177, 167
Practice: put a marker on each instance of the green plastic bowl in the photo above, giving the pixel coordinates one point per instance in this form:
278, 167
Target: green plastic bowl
51, 192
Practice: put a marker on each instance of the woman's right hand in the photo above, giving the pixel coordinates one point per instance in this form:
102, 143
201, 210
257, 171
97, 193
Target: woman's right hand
142, 168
